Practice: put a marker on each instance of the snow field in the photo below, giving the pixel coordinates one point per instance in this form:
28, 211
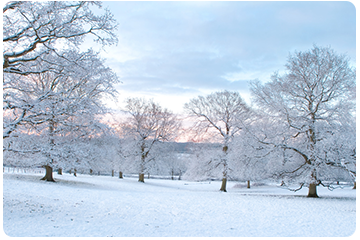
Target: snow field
100, 206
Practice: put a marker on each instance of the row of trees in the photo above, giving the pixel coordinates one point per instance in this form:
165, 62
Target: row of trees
139, 147
300, 128
53, 92
302, 123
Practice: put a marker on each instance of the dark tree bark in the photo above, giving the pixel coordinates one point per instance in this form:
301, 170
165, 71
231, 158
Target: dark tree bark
312, 191
248, 184
112, 173
223, 182
354, 185
60, 171
49, 174
223, 185
120, 175
141, 177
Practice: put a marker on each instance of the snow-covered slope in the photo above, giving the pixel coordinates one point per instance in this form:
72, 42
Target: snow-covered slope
100, 206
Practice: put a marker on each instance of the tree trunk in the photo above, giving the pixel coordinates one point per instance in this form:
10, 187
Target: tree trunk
312, 191
312, 186
224, 162
49, 174
91, 171
354, 185
75, 173
120, 175
142, 163
60, 171
223, 185
141, 177
248, 184
172, 174
112, 173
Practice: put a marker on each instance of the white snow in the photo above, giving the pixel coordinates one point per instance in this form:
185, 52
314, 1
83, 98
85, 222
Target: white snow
101, 206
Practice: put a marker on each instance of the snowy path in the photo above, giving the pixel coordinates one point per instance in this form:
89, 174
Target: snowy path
100, 206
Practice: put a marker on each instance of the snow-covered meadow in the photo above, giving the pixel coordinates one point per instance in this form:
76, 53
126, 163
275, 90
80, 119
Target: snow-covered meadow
101, 206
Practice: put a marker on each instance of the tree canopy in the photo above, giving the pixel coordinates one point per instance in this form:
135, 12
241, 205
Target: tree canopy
308, 105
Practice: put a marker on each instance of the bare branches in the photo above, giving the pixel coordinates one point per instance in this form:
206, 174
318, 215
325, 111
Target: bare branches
149, 124
307, 105
294, 189
224, 112
51, 90
11, 5
30, 28
69, 91
222, 115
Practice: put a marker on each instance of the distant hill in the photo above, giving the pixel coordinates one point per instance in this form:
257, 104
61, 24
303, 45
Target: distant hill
185, 147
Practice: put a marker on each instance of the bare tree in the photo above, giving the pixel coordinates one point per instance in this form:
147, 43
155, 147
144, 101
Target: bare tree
149, 124
222, 115
306, 106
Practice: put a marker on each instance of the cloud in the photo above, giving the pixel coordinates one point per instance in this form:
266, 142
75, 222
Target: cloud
189, 48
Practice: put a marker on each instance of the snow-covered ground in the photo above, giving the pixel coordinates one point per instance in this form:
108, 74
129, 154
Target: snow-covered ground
100, 206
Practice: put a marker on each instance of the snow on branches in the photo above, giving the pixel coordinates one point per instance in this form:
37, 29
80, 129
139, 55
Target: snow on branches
309, 105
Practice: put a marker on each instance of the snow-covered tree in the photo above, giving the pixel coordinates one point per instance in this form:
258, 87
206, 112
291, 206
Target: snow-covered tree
161, 160
202, 161
128, 154
68, 153
166, 160
66, 101
148, 125
49, 85
249, 158
221, 115
304, 108
339, 151
33, 28
41, 37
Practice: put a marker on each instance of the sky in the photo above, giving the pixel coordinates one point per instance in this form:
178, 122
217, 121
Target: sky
174, 51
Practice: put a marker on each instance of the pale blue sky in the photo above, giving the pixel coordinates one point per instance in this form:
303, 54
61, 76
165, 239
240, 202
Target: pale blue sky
173, 51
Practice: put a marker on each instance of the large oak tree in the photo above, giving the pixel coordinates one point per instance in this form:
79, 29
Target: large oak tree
49, 85
307, 107
40, 37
